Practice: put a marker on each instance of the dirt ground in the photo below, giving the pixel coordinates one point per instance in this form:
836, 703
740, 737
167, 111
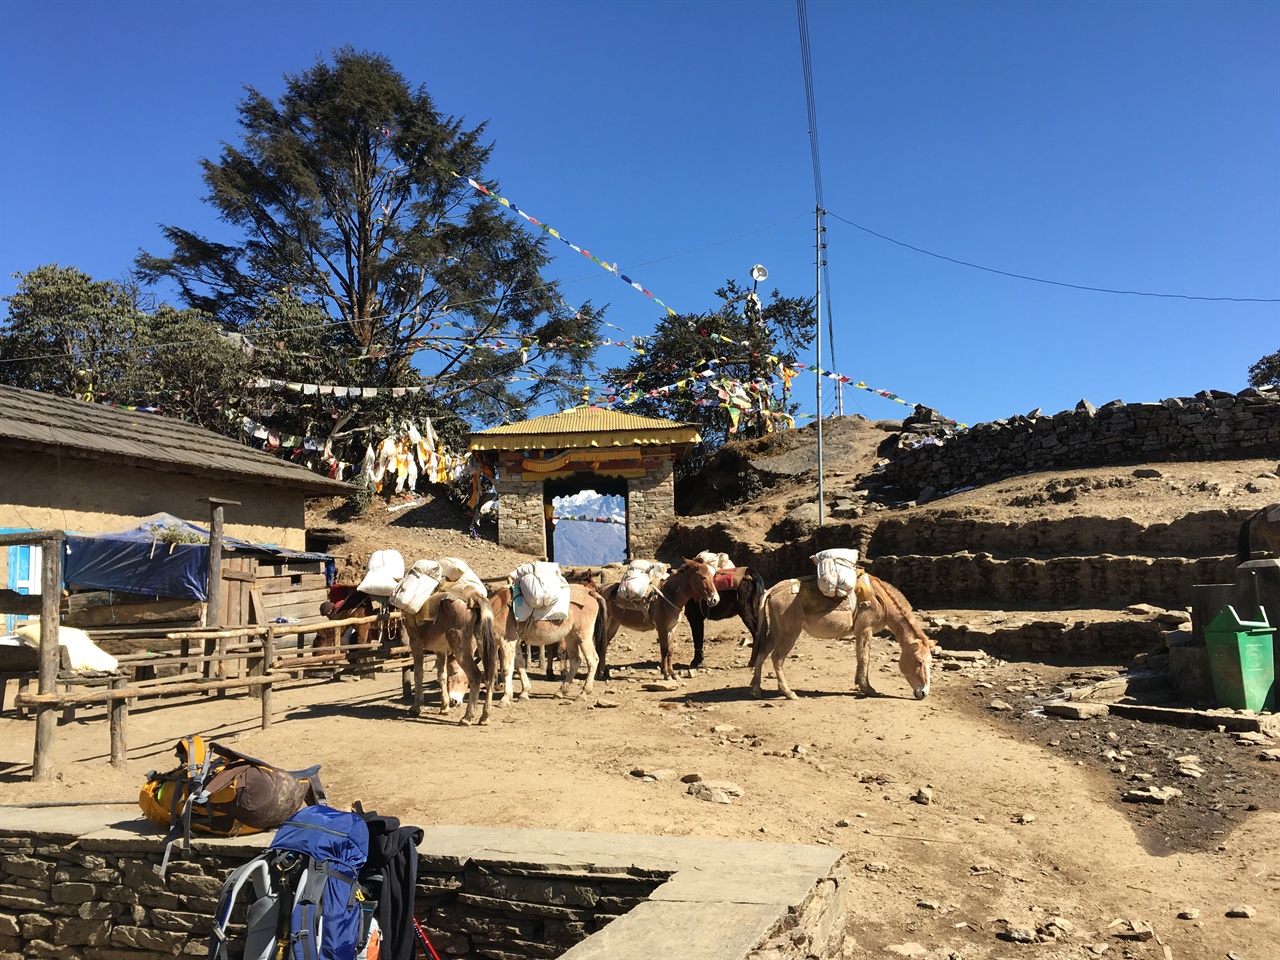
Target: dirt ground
970, 833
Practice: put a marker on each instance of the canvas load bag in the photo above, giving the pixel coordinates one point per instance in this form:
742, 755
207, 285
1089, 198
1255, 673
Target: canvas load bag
384, 573
837, 571
303, 897
716, 561
455, 572
640, 578
414, 590
540, 583
216, 791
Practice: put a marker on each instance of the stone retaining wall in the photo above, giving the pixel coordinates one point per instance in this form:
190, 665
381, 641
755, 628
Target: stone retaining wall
76, 886
932, 459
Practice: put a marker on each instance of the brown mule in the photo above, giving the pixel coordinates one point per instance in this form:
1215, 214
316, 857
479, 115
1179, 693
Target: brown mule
691, 581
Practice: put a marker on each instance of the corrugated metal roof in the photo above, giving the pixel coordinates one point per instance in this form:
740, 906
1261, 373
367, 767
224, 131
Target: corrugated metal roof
583, 427
36, 421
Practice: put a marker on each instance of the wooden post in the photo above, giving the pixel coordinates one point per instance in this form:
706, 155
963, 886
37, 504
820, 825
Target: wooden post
213, 612
50, 654
268, 660
119, 713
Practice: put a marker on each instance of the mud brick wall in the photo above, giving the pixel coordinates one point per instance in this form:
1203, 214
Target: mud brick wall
1212, 425
515, 910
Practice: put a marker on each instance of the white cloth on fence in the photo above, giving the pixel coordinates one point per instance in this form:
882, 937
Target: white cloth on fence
82, 653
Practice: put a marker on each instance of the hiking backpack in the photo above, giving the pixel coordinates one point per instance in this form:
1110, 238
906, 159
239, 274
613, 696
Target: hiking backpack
217, 791
306, 903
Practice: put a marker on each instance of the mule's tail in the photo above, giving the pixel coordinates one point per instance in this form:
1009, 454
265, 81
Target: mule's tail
486, 639
751, 593
760, 639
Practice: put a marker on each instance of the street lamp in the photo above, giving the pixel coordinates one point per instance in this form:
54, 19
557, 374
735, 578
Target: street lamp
758, 273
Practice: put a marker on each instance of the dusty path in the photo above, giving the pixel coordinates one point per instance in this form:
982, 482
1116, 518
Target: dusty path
1017, 834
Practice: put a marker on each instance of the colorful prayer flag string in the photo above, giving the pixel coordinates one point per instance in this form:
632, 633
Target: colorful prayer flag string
612, 268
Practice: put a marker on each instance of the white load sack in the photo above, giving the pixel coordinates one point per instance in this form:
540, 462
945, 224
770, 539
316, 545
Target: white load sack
639, 577
383, 575
540, 583
82, 653
418, 584
716, 561
557, 611
455, 572
837, 571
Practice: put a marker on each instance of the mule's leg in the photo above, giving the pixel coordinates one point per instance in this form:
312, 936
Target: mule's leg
593, 661
693, 614
442, 675
418, 653
524, 677
569, 649
779, 655
463, 653
507, 653
862, 677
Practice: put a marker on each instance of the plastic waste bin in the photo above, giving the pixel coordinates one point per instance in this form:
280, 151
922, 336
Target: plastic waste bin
1241, 661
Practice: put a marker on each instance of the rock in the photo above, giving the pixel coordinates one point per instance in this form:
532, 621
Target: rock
645, 773
1151, 795
842, 822
723, 728
715, 791
1251, 738
908, 949
923, 796
1190, 913
999, 706
606, 704
1024, 818
1174, 617
1269, 755
927, 905
691, 778
1143, 610
1243, 911
1140, 930
1147, 473
660, 686
1082, 710
1020, 935
969, 656
876, 866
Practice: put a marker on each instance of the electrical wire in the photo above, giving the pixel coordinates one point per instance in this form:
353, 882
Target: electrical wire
1056, 283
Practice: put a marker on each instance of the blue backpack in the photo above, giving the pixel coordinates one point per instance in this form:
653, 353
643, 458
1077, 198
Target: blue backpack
307, 902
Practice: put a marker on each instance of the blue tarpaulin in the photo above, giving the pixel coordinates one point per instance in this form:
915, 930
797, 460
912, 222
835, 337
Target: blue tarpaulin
137, 560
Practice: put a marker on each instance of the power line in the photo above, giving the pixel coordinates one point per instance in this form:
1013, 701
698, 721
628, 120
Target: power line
1056, 283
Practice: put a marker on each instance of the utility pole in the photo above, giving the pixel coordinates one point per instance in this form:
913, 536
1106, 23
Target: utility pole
817, 316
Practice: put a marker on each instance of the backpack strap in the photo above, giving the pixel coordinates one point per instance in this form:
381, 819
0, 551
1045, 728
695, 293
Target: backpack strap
255, 870
180, 821
310, 903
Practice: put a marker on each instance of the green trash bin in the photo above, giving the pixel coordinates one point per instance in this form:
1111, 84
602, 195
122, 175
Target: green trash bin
1241, 661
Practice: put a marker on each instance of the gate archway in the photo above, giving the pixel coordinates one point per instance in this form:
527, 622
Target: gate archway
585, 448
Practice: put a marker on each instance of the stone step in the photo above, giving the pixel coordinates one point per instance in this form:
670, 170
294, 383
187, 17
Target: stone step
1097, 635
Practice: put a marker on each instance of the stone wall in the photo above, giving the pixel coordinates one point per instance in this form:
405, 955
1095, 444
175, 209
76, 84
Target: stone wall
1213, 425
651, 509
522, 525
74, 885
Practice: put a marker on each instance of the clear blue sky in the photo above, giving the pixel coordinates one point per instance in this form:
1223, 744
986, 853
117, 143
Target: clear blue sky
1131, 146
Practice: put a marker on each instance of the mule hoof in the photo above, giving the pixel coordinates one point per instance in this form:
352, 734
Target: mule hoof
524, 696
415, 711
757, 692
791, 695
695, 663
464, 722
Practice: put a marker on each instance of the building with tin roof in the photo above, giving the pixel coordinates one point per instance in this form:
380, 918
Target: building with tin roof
585, 448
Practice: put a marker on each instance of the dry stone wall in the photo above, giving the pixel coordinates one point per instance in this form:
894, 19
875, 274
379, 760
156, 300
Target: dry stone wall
933, 459
84, 899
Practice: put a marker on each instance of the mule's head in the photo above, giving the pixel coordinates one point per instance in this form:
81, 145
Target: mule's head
703, 577
916, 662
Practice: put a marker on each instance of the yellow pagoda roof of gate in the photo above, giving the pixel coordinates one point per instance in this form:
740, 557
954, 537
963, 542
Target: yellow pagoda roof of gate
584, 428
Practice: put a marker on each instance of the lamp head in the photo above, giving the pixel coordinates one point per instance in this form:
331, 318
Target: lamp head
759, 273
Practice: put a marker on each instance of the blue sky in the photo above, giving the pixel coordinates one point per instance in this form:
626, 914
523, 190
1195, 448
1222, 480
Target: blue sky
1129, 146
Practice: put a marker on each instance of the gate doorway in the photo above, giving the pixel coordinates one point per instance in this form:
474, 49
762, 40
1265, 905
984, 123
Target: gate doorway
586, 519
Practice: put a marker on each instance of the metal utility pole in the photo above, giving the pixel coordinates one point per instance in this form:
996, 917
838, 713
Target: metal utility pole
818, 245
